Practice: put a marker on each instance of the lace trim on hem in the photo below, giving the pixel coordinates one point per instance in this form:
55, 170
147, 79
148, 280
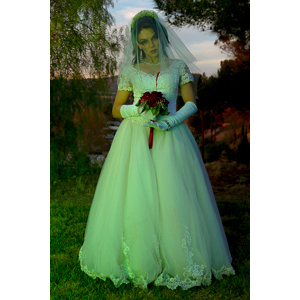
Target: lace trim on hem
163, 280
116, 280
223, 271
194, 275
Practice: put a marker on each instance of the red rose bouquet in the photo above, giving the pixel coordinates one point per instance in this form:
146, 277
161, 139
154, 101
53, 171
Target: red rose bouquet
158, 105
155, 102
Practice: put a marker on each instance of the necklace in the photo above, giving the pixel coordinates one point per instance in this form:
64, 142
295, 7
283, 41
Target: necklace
153, 64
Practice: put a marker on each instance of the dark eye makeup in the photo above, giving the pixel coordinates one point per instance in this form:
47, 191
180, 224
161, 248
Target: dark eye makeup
143, 42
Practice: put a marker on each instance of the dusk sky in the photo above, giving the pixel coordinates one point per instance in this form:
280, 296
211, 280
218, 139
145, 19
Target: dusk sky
200, 43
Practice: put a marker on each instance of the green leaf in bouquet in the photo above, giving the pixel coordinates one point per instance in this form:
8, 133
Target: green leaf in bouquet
140, 106
164, 112
156, 110
143, 109
153, 111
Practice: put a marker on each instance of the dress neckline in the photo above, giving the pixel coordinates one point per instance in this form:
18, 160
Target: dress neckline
155, 75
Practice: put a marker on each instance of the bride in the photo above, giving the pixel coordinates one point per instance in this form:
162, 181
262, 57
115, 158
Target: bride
154, 217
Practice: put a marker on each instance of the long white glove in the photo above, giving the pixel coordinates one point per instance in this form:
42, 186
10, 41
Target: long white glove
181, 115
132, 110
127, 111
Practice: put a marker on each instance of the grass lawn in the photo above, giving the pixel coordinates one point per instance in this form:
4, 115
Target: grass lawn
70, 204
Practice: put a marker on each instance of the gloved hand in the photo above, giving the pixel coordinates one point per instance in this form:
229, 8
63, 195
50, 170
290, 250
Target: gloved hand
148, 115
132, 110
181, 115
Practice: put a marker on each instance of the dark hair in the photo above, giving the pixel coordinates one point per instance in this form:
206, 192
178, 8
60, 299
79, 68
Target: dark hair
143, 23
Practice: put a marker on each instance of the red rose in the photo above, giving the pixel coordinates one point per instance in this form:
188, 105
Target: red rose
152, 101
145, 97
157, 94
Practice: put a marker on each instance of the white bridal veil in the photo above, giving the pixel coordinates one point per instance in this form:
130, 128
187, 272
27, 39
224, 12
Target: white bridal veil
170, 45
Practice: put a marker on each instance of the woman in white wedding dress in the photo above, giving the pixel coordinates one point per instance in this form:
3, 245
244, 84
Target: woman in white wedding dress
154, 217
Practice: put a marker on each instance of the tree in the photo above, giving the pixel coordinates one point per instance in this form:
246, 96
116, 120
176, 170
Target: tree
234, 78
210, 102
229, 19
83, 45
224, 17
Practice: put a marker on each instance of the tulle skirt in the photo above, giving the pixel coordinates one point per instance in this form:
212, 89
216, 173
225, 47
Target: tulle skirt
154, 217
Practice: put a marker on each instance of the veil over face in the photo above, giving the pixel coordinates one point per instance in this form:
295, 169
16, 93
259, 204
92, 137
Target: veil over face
151, 44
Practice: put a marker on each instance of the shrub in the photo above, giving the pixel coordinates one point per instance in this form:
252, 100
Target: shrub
214, 151
63, 167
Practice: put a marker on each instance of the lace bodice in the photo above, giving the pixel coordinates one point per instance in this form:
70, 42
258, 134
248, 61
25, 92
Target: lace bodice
139, 82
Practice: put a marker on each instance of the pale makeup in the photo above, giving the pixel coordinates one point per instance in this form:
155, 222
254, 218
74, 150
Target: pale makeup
148, 42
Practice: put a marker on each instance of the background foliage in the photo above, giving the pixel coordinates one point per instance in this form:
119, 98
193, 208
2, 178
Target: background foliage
83, 42
83, 50
230, 21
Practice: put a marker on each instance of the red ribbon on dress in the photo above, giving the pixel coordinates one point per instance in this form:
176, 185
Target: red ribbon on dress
151, 137
151, 128
156, 79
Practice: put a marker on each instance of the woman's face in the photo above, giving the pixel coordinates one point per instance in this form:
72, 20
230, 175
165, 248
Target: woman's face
148, 42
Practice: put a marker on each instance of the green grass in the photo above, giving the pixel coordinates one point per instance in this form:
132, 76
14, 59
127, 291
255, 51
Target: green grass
70, 204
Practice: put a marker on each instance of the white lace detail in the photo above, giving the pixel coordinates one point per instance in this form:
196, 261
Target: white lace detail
124, 88
126, 264
192, 270
140, 281
185, 74
168, 82
116, 280
137, 120
194, 275
224, 271
124, 81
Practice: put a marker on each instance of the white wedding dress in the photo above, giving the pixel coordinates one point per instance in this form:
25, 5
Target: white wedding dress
154, 215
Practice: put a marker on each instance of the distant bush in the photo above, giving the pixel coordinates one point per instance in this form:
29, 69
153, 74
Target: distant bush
214, 151
78, 164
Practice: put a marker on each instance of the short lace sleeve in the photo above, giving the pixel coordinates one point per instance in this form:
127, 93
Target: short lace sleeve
185, 74
124, 83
